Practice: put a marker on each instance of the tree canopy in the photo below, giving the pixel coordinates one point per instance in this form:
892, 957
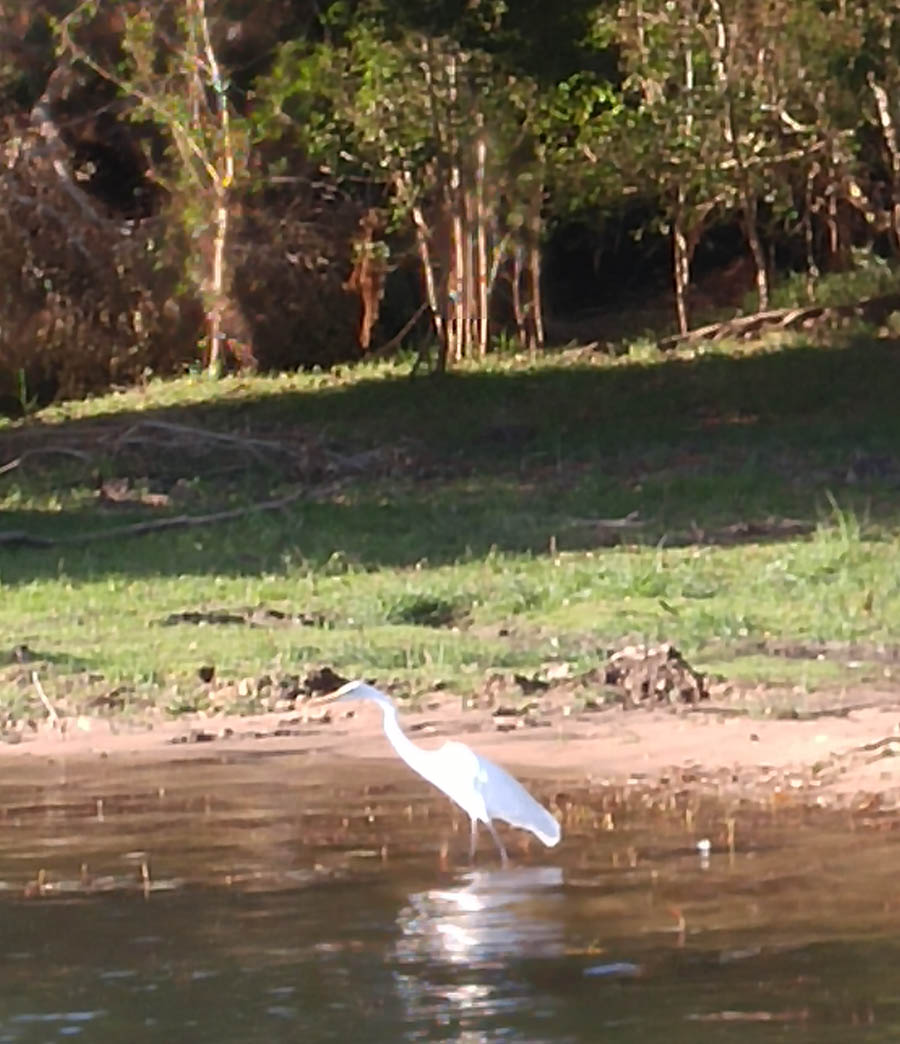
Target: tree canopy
445, 139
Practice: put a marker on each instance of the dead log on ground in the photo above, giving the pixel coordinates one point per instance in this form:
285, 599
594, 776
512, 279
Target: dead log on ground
873, 310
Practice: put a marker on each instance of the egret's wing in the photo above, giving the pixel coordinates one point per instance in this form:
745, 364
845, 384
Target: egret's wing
454, 768
505, 798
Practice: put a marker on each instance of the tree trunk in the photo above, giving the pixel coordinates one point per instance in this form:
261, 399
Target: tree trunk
481, 263
759, 258
812, 268
535, 310
222, 177
516, 286
889, 134
722, 60
216, 295
456, 291
456, 283
534, 223
681, 261
470, 287
681, 270
431, 295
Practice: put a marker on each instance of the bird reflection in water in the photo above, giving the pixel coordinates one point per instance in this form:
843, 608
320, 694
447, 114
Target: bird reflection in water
460, 949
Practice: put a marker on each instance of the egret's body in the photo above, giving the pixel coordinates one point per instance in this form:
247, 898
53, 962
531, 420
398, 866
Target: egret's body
483, 790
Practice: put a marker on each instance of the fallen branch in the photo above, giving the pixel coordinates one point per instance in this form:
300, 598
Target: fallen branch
51, 710
390, 345
54, 148
139, 528
872, 309
252, 445
61, 450
629, 521
356, 462
19, 538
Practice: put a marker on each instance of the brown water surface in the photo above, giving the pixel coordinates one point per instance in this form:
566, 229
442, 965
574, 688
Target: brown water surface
255, 897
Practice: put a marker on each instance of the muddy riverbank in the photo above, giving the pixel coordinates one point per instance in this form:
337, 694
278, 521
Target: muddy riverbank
838, 752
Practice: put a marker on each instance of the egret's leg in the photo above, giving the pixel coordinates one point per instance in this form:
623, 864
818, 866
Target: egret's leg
504, 859
473, 840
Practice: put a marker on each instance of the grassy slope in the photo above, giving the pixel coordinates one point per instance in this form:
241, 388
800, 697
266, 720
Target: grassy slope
475, 550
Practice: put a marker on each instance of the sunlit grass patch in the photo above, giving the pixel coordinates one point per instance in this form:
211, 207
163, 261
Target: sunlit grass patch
539, 511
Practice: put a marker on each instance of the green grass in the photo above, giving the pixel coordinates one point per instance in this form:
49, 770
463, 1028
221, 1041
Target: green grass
469, 544
870, 276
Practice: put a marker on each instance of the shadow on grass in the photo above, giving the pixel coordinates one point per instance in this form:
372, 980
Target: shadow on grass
515, 461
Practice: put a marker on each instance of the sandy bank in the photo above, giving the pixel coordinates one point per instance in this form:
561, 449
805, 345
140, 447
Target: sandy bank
833, 757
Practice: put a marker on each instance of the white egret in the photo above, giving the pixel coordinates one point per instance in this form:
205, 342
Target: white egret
483, 790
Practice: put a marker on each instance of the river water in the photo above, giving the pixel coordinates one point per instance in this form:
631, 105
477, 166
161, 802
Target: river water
256, 897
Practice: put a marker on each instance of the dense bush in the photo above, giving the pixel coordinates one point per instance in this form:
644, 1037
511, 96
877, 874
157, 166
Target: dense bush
89, 300
86, 300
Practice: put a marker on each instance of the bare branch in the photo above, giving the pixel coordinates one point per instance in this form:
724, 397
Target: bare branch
873, 310
154, 526
51, 710
390, 345
43, 451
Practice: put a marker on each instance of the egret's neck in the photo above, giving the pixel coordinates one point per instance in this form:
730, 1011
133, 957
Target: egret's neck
404, 746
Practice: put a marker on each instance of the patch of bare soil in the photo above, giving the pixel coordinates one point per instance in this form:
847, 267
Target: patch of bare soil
842, 751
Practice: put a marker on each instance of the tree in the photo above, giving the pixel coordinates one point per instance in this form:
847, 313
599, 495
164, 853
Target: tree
656, 134
731, 110
449, 139
170, 74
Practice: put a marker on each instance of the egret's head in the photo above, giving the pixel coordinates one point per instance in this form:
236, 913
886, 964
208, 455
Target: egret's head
357, 690
351, 690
